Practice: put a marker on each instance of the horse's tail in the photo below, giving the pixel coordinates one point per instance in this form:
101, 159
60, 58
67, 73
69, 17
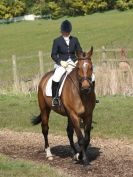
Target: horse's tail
36, 120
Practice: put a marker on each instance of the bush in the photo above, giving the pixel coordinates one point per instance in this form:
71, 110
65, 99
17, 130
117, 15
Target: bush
75, 8
102, 6
36, 9
130, 4
122, 5
96, 5
55, 10
10, 9
18, 8
2, 11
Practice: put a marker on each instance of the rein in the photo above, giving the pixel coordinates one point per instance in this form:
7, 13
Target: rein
70, 78
86, 78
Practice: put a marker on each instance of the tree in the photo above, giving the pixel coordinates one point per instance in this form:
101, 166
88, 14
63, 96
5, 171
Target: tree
11, 8
96, 5
18, 8
75, 7
2, 10
55, 10
122, 5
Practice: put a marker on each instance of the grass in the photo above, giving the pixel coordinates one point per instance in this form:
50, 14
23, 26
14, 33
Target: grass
112, 29
113, 116
16, 168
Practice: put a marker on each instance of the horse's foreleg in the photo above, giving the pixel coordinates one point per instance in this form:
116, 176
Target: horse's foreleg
87, 129
70, 132
45, 128
81, 141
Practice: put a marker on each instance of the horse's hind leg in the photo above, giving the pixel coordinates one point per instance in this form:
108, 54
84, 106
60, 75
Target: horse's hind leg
45, 129
70, 132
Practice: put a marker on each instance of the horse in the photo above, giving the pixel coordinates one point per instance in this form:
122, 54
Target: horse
78, 102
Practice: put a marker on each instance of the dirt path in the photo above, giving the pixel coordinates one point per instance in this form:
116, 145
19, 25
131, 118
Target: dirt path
108, 157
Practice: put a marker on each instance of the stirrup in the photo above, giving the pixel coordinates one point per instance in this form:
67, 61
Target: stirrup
56, 101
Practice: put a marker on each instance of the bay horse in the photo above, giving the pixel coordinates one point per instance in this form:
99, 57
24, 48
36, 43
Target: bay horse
78, 102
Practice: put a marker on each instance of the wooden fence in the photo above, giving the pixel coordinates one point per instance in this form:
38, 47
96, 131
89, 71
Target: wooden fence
118, 56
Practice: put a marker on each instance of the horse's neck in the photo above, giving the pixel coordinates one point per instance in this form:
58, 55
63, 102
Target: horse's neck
74, 77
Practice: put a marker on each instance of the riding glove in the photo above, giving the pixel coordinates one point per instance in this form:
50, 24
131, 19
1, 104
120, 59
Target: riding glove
64, 64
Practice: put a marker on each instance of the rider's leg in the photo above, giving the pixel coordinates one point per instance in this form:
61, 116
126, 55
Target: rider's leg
59, 71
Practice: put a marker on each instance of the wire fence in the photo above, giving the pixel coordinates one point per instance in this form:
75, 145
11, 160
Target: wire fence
22, 73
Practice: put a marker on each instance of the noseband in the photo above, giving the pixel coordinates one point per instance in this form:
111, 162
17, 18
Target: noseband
89, 79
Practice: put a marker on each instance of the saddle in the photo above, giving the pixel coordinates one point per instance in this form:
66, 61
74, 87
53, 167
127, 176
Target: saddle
60, 83
48, 90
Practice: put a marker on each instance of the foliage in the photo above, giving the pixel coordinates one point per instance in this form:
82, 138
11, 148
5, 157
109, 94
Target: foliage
11, 8
37, 8
55, 10
124, 4
94, 6
75, 7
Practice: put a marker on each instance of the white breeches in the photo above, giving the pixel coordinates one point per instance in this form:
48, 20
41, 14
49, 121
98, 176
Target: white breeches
59, 71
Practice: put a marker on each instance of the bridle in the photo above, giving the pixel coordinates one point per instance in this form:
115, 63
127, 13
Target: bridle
82, 79
89, 79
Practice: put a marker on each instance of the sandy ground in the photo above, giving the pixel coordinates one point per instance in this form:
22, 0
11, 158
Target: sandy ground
108, 157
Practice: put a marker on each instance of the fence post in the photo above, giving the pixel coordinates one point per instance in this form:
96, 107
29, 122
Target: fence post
15, 77
41, 63
103, 54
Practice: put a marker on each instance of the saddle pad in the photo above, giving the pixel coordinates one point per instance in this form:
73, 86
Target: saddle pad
49, 86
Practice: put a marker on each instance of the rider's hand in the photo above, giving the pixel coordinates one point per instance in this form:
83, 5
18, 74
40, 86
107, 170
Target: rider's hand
64, 64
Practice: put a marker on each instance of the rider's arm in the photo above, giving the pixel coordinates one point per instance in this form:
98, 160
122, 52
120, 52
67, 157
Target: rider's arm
54, 53
78, 47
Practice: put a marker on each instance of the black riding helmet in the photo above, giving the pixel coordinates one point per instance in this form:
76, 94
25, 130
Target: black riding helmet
66, 26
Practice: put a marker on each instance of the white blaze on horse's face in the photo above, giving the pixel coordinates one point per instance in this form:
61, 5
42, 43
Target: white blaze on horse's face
85, 66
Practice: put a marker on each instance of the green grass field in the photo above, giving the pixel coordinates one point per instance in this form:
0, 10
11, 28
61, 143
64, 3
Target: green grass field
112, 117
22, 168
112, 29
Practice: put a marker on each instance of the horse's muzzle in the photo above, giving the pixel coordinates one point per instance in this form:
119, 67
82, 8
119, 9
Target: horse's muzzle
86, 90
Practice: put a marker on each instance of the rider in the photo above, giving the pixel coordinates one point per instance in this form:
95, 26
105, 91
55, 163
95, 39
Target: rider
64, 49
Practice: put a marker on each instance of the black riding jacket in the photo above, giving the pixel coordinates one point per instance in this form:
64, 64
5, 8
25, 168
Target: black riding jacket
62, 51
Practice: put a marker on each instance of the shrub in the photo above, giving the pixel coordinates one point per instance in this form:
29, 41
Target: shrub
96, 5
122, 5
130, 4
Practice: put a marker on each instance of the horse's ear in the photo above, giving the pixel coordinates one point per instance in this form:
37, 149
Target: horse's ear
90, 52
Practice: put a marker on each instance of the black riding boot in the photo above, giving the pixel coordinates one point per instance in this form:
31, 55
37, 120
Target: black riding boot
97, 101
56, 99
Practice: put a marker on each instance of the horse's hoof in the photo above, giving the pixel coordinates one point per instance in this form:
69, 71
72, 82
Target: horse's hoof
50, 158
85, 162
